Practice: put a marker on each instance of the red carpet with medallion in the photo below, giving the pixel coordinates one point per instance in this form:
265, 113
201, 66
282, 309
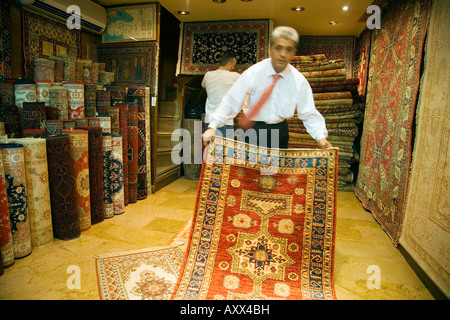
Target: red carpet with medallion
388, 134
264, 225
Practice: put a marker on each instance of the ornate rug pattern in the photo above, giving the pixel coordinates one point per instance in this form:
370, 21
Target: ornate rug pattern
394, 77
140, 275
203, 43
134, 64
5, 45
426, 226
65, 217
262, 236
362, 53
44, 37
138, 95
95, 153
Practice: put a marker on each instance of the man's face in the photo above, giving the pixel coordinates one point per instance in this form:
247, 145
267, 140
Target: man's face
282, 52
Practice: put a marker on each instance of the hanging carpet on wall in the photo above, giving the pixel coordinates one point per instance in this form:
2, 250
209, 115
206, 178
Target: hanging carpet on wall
386, 142
44, 37
134, 64
426, 233
5, 47
362, 54
203, 43
264, 225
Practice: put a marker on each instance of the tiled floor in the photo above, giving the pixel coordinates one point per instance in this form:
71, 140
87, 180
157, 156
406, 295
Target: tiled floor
361, 244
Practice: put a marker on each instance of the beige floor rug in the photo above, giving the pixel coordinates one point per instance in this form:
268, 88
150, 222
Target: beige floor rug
148, 274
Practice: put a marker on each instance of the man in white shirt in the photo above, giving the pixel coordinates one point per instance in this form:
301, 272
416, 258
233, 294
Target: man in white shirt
291, 93
217, 83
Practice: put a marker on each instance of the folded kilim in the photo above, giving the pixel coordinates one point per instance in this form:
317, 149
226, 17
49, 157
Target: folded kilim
347, 178
341, 139
330, 83
334, 102
338, 141
331, 65
324, 110
350, 87
343, 146
333, 95
327, 79
319, 58
337, 132
345, 124
324, 73
355, 116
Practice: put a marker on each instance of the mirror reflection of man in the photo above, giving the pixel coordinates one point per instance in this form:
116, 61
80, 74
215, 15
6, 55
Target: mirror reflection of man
290, 92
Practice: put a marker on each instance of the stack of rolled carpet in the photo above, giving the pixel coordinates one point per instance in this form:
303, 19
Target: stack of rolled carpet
336, 98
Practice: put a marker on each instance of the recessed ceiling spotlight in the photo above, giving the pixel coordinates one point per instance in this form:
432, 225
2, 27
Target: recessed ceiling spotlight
332, 22
345, 8
298, 9
246, 0
183, 12
219, 1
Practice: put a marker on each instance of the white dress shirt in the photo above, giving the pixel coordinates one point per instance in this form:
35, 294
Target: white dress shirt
291, 93
217, 83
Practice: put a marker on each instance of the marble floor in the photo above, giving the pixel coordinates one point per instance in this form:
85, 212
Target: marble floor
362, 249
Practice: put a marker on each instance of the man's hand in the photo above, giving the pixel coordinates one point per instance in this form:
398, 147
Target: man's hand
207, 136
324, 144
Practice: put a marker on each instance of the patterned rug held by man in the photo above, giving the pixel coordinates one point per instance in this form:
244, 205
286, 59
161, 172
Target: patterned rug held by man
140, 275
264, 225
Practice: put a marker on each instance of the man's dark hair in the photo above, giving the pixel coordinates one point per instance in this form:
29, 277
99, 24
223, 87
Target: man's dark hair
226, 57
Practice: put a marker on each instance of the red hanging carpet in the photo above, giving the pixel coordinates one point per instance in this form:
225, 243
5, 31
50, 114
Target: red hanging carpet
262, 236
386, 143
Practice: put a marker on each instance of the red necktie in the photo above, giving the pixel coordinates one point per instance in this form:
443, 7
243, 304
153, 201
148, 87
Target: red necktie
246, 123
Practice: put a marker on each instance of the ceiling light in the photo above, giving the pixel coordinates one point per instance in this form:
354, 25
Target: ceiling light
219, 1
298, 9
183, 12
332, 22
345, 8
246, 0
